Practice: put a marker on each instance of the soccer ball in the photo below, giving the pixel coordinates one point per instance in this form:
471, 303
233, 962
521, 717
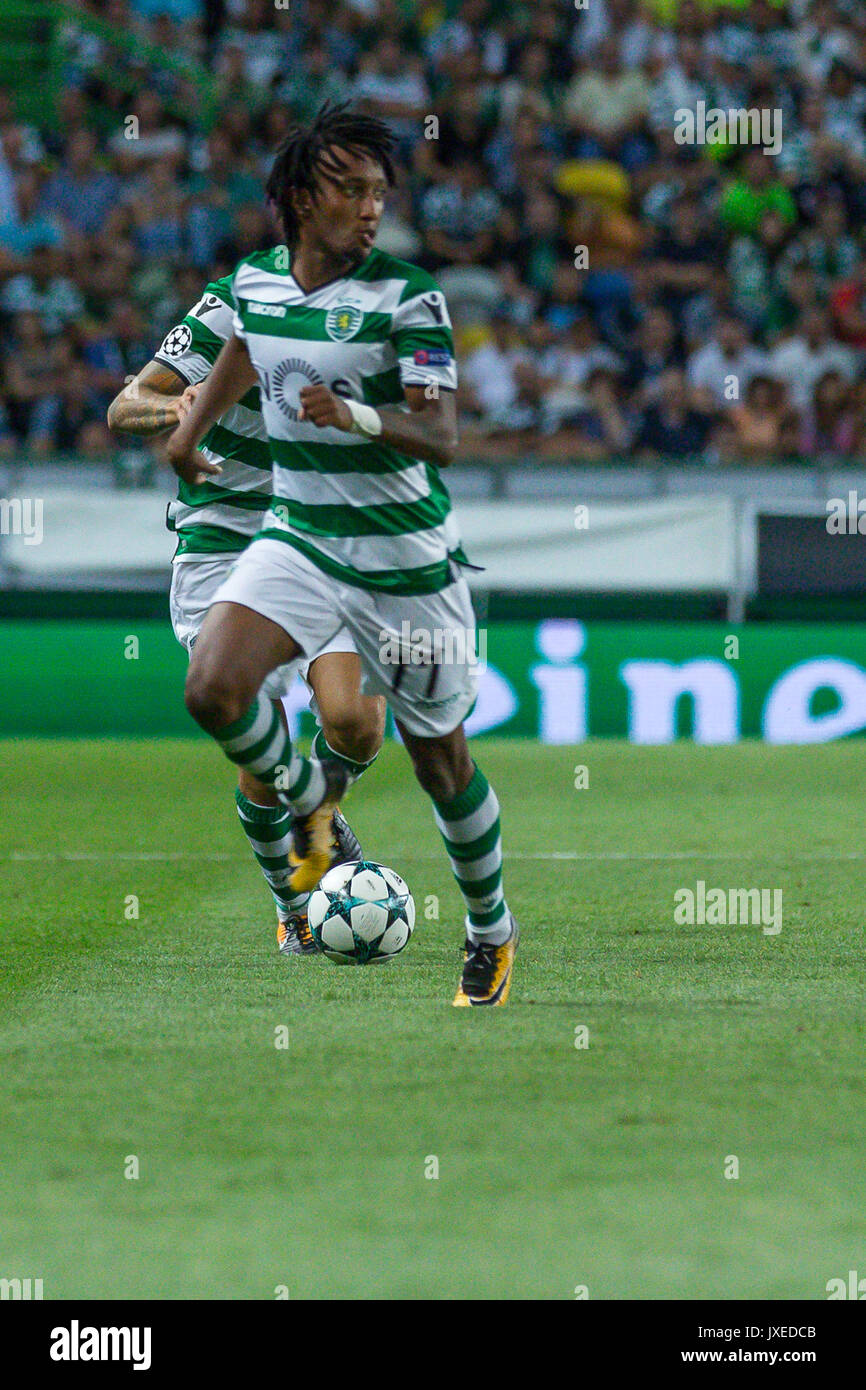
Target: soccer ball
361, 913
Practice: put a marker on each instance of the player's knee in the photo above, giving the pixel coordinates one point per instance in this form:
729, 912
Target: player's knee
356, 728
370, 726
212, 700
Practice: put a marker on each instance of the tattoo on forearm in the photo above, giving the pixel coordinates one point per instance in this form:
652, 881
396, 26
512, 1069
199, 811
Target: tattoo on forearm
145, 405
144, 415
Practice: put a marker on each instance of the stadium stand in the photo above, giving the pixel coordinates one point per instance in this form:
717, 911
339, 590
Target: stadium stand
639, 316
138, 170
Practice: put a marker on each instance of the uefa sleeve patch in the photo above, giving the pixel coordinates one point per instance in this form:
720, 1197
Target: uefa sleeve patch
432, 357
177, 341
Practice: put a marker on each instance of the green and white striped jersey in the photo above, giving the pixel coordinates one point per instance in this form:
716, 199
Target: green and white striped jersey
360, 510
220, 517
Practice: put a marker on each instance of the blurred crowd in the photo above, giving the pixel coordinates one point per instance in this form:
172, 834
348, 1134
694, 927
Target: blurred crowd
616, 293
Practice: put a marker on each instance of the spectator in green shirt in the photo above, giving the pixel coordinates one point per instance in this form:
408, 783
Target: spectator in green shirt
756, 191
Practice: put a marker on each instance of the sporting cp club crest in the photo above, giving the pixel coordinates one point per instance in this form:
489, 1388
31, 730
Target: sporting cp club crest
343, 322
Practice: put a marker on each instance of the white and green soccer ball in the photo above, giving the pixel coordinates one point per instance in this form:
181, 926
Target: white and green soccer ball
361, 913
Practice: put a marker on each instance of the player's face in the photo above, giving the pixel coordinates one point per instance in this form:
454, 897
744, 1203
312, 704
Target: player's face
346, 213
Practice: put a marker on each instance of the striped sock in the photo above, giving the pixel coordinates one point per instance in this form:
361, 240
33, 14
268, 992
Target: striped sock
322, 749
469, 825
258, 742
269, 831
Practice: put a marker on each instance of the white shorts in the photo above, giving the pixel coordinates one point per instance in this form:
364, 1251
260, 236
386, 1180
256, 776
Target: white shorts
194, 583
417, 650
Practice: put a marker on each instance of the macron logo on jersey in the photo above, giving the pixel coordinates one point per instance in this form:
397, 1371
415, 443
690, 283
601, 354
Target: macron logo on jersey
273, 311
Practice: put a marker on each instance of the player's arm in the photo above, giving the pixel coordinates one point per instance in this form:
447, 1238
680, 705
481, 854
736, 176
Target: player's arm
232, 376
428, 431
148, 404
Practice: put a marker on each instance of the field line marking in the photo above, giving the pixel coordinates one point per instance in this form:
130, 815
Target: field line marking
567, 856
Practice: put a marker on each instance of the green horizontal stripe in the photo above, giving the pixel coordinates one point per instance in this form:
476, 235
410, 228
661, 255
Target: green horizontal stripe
342, 519
241, 725
467, 801
275, 817
265, 260
299, 786
221, 289
208, 346
207, 494
379, 265
383, 388
267, 834
410, 340
423, 579
482, 886
308, 325
488, 919
339, 458
474, 849
255, 750
209, 540
204, 340
240, 448
273, 864
417, 283
436, 485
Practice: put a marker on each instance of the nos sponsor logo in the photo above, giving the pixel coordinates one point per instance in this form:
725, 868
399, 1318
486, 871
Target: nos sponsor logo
284, 386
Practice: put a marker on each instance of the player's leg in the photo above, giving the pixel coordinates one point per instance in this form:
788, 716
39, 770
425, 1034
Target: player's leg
351, 725
265, 821
351, 731
247, 634
466, 812
269, 828
430, 689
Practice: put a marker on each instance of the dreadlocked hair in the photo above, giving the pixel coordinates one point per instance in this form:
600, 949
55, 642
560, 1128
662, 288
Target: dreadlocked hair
306, 150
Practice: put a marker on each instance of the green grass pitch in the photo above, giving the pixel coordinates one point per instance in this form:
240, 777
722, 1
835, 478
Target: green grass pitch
304, 1167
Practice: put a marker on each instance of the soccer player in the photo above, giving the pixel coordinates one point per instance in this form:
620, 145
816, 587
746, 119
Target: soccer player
213, 525
353, 352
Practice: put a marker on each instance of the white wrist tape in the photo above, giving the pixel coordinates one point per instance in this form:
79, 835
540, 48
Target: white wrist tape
365, 420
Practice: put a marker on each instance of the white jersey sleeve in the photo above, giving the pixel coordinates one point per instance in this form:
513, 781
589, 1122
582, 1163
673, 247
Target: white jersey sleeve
193, 345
